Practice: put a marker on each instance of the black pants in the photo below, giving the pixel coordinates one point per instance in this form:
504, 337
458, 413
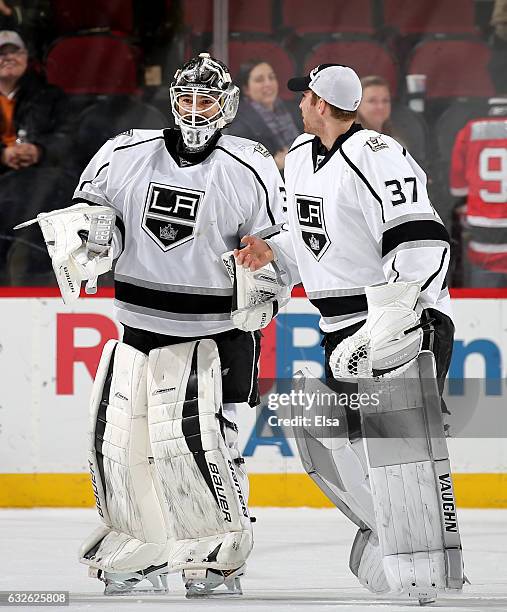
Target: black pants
239, 356
438, 338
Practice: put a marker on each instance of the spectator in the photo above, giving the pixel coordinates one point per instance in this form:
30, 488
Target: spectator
34, 136
479, 174
376, 113
262, 115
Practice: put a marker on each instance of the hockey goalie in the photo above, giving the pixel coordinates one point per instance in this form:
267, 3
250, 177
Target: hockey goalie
170, 206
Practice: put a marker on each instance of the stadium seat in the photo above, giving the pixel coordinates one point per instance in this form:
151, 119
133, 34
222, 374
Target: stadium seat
367, 58
455, 117
453, 67
324, 17
243, 16
72, 16
430, 16
93, 64
108, 118
240, 52
412, 131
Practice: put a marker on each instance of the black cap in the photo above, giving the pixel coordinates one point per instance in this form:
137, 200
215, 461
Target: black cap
303, 83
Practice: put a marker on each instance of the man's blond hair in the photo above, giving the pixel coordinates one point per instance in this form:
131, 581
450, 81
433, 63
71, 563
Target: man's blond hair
336, 113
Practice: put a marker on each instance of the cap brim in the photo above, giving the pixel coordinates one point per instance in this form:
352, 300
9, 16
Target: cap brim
299, 83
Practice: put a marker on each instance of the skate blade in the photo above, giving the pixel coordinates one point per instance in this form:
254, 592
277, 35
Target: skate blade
135, 592
213, 594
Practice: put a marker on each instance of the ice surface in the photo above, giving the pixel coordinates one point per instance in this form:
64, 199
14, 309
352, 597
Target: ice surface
300, 562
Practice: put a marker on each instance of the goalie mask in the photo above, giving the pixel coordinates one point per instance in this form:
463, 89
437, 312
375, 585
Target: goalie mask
203, 100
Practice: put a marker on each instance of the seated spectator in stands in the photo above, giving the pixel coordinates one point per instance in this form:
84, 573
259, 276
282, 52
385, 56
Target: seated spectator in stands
404, 125
34, 139
262, 115
479, 175
374, 112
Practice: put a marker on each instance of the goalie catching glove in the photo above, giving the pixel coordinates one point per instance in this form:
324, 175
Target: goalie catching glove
79, 242
257, 296
390, 339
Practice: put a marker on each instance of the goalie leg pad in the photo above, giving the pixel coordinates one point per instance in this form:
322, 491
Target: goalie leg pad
411, 482
134, 534
207, 505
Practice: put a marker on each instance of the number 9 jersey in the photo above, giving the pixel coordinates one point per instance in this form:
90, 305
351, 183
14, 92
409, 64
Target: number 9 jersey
479, 171
359, 215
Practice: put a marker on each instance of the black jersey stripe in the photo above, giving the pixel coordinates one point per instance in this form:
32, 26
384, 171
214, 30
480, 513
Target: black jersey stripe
436, 273
404, 151
365, 181
256, 174
170, 301
344, 305
134, 144
394, 269
299, 145
413, 231
96, 175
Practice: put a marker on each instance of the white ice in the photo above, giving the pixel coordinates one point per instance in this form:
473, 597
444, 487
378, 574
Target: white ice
300, 562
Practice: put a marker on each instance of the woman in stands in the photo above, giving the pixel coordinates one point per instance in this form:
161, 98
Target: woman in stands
262, 115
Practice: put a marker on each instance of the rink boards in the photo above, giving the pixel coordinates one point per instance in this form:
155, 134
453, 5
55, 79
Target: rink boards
49, 353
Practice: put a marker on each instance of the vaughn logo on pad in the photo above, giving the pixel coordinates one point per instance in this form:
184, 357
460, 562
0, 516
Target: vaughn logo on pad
170, 214
310, 212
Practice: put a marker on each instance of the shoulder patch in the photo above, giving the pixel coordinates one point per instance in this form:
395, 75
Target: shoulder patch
125, 133
376, 143
260, 148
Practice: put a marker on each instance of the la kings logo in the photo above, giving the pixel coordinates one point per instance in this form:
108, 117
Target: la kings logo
170, 214
310, 212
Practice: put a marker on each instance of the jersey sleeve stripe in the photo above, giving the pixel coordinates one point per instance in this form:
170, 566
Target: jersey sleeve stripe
255, 173
134, 144
436, 273
299, 145
365, 181
413, 231
96, 175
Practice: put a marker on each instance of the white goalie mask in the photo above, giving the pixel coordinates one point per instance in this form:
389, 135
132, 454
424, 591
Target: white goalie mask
203, 100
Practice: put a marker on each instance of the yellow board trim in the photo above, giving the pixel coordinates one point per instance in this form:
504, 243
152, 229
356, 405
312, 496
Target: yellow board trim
279, 490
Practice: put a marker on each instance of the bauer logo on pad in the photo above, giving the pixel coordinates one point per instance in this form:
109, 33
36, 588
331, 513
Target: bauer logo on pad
170, 214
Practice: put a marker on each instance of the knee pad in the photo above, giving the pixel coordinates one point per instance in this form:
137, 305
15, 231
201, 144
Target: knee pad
135, 530
206, 501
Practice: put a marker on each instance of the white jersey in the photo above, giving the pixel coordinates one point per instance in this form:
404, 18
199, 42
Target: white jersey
359, 216
176, 219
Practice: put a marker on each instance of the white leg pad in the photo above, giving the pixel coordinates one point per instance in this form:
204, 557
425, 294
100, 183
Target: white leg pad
135, 531
411, 483
207, 505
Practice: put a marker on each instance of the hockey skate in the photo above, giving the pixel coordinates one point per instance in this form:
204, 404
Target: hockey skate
208, 582
127, 583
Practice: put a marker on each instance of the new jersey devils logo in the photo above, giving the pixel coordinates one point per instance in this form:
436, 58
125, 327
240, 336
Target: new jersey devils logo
310, 212
170, 214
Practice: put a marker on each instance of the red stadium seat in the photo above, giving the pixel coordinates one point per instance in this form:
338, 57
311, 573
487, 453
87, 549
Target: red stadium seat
366, 58
240, 52
94, 64
243, 16
322, 16
71, 16
430, 16
453, 68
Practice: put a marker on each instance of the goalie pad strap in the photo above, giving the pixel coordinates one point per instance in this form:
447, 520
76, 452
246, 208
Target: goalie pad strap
134, 534
206, 502
411, 482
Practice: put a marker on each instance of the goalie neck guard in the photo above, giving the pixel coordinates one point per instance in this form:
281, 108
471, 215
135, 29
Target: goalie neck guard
203, 100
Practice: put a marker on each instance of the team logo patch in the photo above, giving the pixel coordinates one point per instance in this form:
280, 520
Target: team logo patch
170, 214
310, 212
125, 133
260, 148
376, 143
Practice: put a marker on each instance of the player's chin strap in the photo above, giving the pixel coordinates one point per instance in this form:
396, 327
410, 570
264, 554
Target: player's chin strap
390, 339
79, 242
257, 296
